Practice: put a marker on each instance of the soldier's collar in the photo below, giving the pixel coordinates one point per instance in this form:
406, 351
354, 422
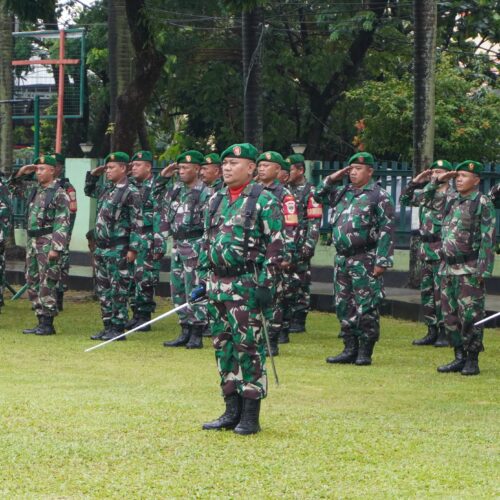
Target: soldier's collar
470, 196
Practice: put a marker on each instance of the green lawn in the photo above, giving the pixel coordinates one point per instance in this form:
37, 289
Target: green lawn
125, 421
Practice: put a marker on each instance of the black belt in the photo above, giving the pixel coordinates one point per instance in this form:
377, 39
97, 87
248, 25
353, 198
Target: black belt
35, 233
234, 271
461, 259
186, 235
350, 252
111, 243
431, 238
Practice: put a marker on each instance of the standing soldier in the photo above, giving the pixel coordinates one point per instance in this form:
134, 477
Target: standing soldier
48, 229
147, 264
431, 219
211, 172
182, 218
5, 230
240, 261
468, 238
269, 165
310, 213
362, 225
71, 192
118, 239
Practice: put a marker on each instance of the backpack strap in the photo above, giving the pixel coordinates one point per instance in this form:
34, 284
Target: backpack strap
250, 208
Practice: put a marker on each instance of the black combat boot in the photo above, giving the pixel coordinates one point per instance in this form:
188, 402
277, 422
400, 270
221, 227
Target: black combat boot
350, 352
195, 339
113, 332
60, 300
181, 340
46, 326
471, 364
98, 335
273, 342
283, 337
230, 418
298, 324
457, 364
142, 317
132, 322
249, 423
442, 339
35, 328
430, 338
206, 331
365, 352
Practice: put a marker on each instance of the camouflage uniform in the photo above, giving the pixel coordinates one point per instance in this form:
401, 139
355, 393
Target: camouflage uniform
232, 269
118, 229
5, 230
362, 226
217, 185
310, 214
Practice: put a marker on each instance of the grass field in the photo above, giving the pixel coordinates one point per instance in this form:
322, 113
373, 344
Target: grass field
125, 421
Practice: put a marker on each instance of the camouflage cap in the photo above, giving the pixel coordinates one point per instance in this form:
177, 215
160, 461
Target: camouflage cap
143, 156
243, 150
46, 160
191, 156
118, 156
274, 157
362, 159
294, 159
444, 164
212, 159
471, 166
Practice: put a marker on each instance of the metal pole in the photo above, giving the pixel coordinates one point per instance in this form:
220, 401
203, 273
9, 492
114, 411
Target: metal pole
60, 97
36, 118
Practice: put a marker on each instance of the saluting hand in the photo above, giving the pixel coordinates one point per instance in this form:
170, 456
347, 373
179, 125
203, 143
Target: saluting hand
337, 176
169, 171
446, 176
98, 170
423, 176
25, 170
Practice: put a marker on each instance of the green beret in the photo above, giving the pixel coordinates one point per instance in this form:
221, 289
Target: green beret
274, 157
444, 164
191, 156
244, 150
212, 159
143, 156
118, 156
471, 166
362, 159
59, 157
46, 160
294, 159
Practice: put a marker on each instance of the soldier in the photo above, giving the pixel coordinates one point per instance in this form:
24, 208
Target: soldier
468, 238
48, 227
240, 261
362, 226
5, 230
309, 213
430, 231
118, 239
182, 218
211, 172
269, 165
147, 264
71, 192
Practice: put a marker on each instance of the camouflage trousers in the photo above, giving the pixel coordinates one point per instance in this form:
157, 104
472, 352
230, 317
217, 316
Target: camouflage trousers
301, 298
462, 303
63, 281
430, 293
288, 299
42, 277
2, 272
238, 340
183, 278
146, 278
278, 310
358, 295
112, 282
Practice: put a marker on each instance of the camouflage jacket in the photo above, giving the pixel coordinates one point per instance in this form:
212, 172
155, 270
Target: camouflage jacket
494, 194
71, 192
119, 222
361, 218
183, 217
95, 186
217, 185
151, 215
430, 217
310, 214
468, 233
288, 206
5, 212
224, 244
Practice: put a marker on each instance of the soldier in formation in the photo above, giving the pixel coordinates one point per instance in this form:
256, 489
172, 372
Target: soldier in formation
240, 263
211, 172
362, 224
5, 231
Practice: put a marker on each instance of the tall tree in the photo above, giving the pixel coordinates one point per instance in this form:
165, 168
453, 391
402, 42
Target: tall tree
6, 50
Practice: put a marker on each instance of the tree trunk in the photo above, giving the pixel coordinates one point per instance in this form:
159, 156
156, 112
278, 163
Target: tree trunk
425, 27
252, 40
6, 54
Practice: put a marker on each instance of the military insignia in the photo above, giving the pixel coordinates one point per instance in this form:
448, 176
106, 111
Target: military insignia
440, 163
471, 166
139, 155
288, 160
361, 159
237, 150
112, 157
268, 156
208, 159
188, 158
42, 159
